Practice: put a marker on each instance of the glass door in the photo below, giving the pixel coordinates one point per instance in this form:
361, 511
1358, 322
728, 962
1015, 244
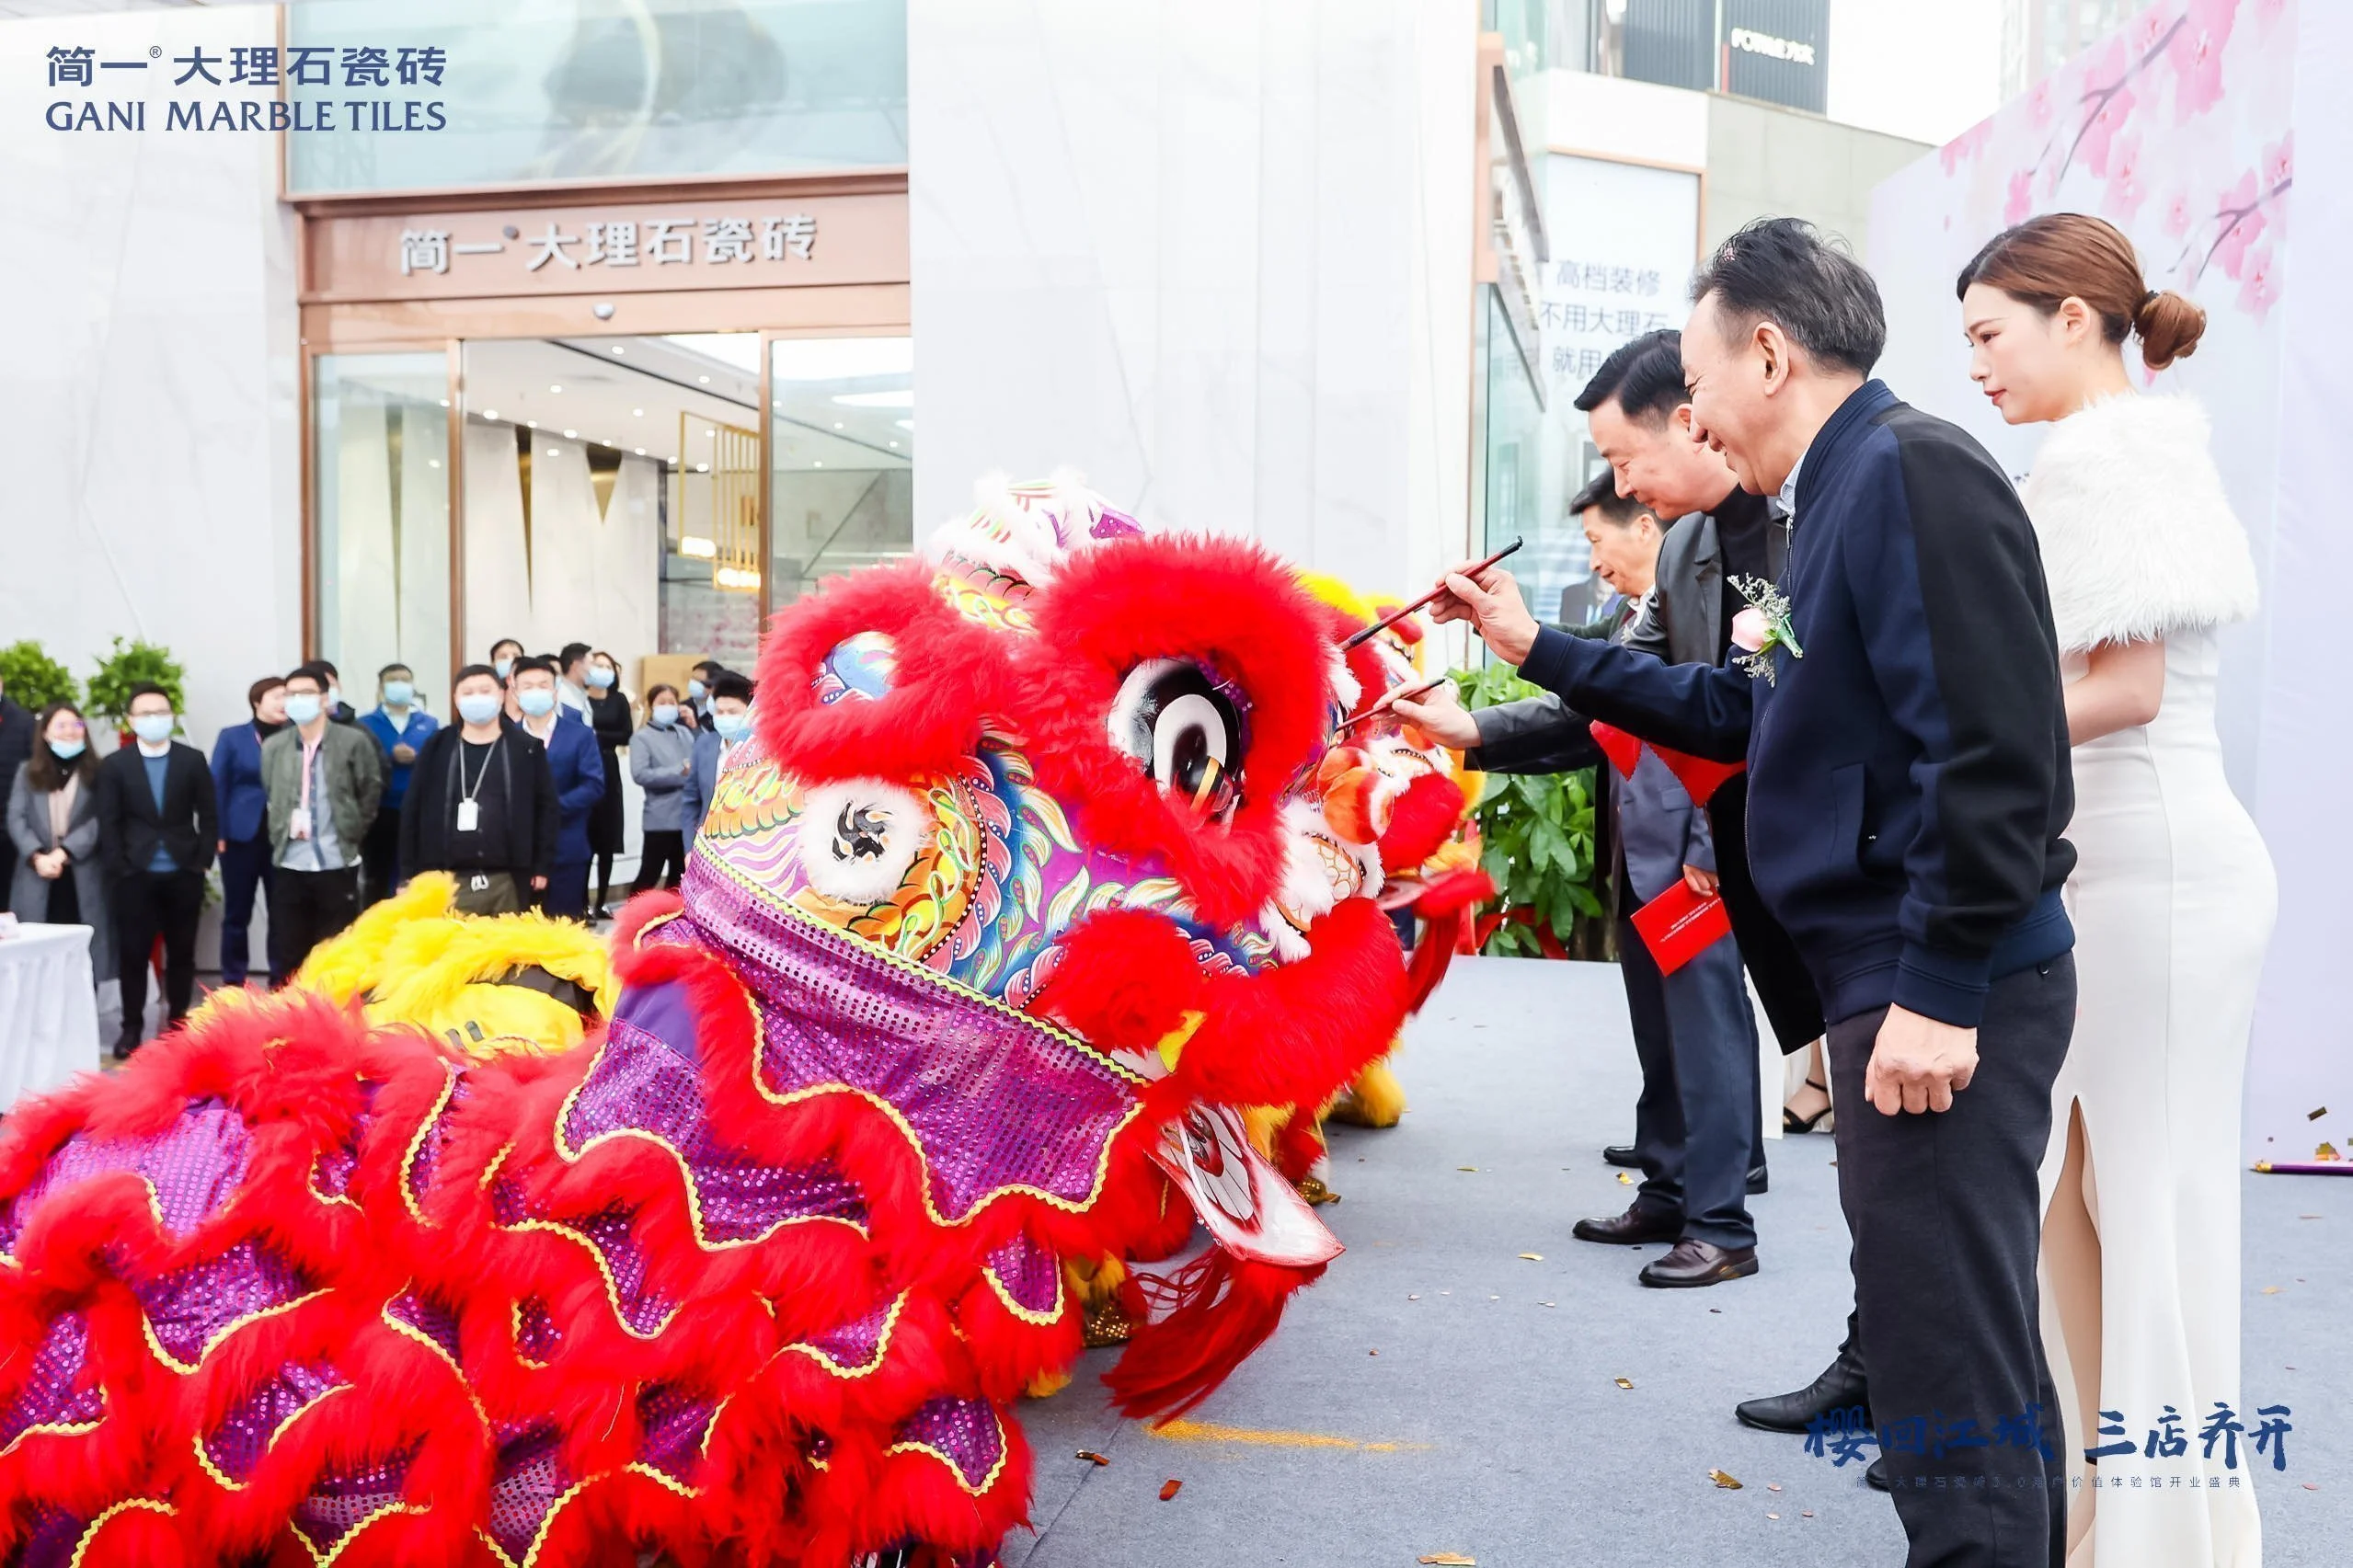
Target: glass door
841, 458
380, 471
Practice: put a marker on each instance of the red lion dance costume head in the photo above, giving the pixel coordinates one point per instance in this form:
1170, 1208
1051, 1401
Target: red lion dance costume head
1019, 889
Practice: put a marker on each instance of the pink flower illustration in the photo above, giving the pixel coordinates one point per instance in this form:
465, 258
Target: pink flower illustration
2279, 161
2125, 192
2243, 224
2107, 120
2149, 27
2180, 212
2020, 199
2038, 106
2196, 55
2259, 291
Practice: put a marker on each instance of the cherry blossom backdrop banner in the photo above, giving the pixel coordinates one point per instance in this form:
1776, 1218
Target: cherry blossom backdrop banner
2196, 127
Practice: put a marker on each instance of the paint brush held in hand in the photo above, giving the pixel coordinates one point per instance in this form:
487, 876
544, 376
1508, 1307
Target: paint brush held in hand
1388, 704
1428, 599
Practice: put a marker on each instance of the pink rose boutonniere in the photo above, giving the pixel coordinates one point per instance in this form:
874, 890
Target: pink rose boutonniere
1761, 628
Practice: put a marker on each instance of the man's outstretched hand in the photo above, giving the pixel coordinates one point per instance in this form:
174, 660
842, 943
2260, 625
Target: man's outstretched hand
1438, 713
1491, 604
1918, 1064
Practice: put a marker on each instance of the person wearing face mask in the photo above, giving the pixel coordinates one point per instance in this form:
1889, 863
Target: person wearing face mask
399, 726
53, 825
157, 821
324, 785
698, 689
482, 802
730, 722
503, 654
244, 844
579, 775
661, 759
609, 717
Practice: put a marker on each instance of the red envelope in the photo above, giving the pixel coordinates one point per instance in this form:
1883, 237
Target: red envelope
1623, 750
1699, 777
1678, 925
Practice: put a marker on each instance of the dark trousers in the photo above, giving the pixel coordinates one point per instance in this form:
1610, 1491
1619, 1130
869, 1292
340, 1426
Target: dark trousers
148, 904
306, 908
244, 870
662, 861
1698, 1122
1947, 1222
566, 892
1784, 985
380, 855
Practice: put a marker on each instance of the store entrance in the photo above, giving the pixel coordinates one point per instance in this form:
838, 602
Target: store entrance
652, 496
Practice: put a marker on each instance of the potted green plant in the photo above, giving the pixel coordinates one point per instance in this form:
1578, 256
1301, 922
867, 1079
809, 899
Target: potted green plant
33, 679
1536, 845
130, 666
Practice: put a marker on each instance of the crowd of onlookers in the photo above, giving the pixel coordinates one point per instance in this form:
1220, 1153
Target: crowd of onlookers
317, 810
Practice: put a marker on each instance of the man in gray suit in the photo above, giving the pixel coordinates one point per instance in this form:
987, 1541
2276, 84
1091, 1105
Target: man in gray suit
1694, 1034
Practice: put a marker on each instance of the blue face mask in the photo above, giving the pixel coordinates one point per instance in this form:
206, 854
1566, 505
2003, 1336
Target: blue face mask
538, 702
600, 678
505, 667
665, 714
68, 749
693, 690
399, 693
302, 707
152, 728
478, 707
730, 726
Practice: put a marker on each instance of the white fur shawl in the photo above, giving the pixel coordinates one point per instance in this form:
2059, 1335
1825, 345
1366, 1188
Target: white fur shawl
2138, 539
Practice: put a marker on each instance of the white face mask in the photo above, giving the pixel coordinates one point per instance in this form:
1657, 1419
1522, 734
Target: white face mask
478, 707
152, 728
539, 702
665, 714
730, 726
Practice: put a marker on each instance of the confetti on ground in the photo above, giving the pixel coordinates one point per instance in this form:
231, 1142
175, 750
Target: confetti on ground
2271, 1290
1544, 1303
2312, 1486
1474, 1169
1413, 1298
1772, 1516
1805, 1513
1169, 1489
1623, 1382
1448, 1560
1091, 1457
1534, 1257
1372, 1353
1715, 1309
2308, 1217
2315, 1115
1724, 1481
1773, 1486
1624, 1180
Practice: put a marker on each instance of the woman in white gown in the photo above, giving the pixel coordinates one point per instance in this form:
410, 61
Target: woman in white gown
2172, 896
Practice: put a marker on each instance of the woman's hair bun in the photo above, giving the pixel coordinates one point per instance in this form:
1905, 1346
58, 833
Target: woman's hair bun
2169, 326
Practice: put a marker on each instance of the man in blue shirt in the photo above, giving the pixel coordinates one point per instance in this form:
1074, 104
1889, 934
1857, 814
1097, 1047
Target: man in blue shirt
157, 827
400, 726
578, 771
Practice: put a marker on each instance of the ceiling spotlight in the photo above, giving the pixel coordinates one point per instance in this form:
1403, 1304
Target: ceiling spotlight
489, 413
531, 424
445, 402
553, 453
638, 412
432, 463
894, 443
703, 379
693, 544
571, 435
641, 451
617, 348
554, 389
819, 463
702, 468
837, 424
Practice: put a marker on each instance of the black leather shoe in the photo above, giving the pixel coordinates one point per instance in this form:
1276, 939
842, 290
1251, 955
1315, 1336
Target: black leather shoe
1693, 1262
1622, 1154
1757, 1180
1876, 1475
1841, 1386
124, 1045
1634, 1226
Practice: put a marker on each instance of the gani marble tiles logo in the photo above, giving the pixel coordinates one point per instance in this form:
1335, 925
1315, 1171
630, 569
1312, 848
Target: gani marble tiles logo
262, 87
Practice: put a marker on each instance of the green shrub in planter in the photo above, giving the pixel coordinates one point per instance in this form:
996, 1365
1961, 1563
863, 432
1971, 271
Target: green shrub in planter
1536, 844
128, 666
33, 679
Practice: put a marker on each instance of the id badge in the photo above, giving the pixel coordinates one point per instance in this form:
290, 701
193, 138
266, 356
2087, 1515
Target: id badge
469, 816
300, 828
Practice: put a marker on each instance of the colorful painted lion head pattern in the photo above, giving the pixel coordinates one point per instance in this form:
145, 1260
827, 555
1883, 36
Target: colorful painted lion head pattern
1022, 886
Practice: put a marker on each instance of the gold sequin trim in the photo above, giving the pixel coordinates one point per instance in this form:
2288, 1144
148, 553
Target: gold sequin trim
176, 1365
1046, 1319
417, 1145
204, 1455
148, 1505
873, 1365
411, 1330
1004, 1452
60, 1428
326, 1559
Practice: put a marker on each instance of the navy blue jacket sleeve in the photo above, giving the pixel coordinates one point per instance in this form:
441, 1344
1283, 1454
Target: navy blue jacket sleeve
1950, 601
1687, 707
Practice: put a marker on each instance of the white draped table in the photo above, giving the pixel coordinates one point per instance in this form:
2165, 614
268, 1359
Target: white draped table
49, 1011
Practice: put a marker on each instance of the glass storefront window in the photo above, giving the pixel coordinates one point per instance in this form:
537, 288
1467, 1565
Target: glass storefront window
841, 457
380, 567
1519, 440
539, 91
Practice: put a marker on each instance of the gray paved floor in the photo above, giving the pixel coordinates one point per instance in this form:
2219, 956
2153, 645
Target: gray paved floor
1515, 1447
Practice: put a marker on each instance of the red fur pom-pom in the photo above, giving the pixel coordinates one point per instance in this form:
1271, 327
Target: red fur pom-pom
1420, 821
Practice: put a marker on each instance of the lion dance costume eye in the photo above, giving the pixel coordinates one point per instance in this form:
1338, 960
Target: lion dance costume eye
1020, 891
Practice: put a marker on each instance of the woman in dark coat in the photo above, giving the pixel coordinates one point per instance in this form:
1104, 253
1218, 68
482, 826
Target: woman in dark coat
61, 875
610, 716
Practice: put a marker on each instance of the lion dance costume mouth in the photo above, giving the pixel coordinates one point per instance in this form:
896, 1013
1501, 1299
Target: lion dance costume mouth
1019, 891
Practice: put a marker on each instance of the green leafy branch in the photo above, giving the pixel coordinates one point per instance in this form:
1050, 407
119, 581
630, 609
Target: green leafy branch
1536, 845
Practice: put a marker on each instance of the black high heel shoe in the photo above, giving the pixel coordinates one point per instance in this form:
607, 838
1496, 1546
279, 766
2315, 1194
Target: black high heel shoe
1790, 1122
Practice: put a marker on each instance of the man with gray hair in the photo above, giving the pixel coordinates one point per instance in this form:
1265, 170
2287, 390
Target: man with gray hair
1896, 695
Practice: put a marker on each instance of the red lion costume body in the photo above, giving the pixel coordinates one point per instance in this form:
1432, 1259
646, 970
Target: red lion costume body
987, 935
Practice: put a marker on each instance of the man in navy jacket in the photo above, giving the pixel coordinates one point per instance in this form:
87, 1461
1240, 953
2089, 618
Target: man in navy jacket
1909, 782
578, 771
